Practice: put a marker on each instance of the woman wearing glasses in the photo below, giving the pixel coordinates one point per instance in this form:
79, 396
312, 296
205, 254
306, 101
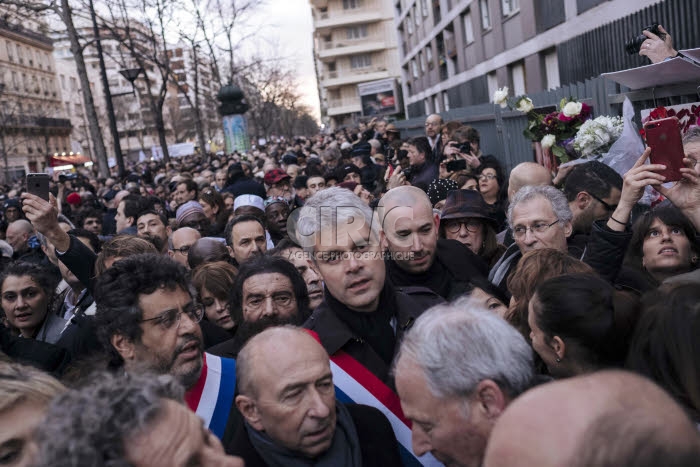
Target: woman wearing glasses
493, 187
465, 218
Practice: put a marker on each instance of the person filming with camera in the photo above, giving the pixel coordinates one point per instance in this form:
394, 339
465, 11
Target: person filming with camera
655, 43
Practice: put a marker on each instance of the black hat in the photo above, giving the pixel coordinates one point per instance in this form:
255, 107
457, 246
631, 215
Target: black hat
465, 203
109, 196
361, 149
289, 159
346, 169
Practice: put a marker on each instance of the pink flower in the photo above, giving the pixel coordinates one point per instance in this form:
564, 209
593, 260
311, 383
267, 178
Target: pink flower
564, 118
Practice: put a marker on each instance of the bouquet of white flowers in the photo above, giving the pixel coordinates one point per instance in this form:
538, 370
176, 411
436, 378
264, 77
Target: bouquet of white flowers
595, 137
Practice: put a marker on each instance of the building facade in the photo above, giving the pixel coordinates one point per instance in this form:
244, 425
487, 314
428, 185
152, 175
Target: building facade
355, 43
456, 53
33, 123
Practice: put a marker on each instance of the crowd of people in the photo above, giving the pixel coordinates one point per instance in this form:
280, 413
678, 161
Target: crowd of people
353, 299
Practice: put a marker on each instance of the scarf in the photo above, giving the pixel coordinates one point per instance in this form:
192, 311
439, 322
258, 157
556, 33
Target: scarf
344, 450
374, 327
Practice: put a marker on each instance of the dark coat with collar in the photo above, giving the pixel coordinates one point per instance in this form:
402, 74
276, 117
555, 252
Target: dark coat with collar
335, 335
377, 440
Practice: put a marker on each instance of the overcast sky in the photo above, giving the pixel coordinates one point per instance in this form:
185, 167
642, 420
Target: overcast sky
288, 27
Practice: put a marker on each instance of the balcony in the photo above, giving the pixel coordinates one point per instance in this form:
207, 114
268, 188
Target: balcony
343, 106
333, 79
332, 49
334, 18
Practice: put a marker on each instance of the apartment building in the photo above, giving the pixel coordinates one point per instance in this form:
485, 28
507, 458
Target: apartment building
33, 126
456, 53
354, 43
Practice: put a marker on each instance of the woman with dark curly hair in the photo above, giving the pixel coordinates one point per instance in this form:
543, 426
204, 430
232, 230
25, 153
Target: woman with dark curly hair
493, 186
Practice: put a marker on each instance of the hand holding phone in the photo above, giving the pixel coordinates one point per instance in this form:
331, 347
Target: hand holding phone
664, 138
38, 185
456, 165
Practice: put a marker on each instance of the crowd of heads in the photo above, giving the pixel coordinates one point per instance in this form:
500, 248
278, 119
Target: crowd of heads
518, 317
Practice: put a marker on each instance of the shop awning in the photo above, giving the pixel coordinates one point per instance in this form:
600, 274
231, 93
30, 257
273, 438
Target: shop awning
75, 159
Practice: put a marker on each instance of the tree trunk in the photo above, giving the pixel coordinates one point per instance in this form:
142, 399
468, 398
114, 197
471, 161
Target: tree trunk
93, 121
160, 127
197, 111
4, 156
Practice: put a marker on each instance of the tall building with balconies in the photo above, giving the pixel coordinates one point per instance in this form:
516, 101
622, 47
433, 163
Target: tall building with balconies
355, 43
33, 126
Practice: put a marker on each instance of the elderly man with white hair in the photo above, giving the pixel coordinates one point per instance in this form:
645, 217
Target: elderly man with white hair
458, 368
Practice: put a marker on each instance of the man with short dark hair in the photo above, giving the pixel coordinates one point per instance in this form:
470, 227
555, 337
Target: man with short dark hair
154, 228
245, 237
296, 255
314, 184
593, 190
185, 191
91, 220
276, 214
287, 398
127, 210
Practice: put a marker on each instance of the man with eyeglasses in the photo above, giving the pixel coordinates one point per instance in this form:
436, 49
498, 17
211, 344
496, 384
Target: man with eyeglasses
147, 319
539, 217
432, 132
593, 190
179, 244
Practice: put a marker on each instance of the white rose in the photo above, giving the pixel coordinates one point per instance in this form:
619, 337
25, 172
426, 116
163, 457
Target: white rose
548, 141
525, 105
572, 109
500, 97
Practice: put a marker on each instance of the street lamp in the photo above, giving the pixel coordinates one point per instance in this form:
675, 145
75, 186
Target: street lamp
130, 75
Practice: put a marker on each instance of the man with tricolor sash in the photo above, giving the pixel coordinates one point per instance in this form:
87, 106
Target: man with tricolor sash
147, 318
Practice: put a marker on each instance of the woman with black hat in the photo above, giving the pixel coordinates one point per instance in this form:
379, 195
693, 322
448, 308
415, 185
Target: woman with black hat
465, 218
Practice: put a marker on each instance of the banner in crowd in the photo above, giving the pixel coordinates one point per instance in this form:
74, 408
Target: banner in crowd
236, 133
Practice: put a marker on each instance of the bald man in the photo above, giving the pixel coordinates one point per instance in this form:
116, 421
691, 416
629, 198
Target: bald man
418, 258
432, 130
18, 235
611, 418
180, 242
527, 173
287, 398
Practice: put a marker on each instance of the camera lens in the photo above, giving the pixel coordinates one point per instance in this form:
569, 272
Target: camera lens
634, 46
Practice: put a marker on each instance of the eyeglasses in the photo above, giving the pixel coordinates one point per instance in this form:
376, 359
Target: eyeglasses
608, 207
484, 177
454, 226
170, 318
183, 249
537, 228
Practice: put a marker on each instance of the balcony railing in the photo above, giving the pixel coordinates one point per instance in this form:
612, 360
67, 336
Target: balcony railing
18, 29
353, 72
329, 45
27, 121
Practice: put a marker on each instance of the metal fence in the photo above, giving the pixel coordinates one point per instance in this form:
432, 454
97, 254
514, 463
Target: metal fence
509, 145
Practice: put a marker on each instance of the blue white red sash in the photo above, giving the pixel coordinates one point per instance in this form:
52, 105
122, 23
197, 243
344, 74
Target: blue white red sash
212, 396
356, 384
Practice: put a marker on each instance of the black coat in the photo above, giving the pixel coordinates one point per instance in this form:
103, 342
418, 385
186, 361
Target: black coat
335, 335
47, 357
377, 440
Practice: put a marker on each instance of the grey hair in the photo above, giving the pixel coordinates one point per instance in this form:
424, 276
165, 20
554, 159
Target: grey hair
91, 425
692, 135
457, 345
556, 198
327, 210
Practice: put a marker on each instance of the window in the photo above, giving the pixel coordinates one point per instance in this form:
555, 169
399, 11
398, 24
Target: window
351, 4
20, 55
517, 72
436, 103
485, 15
409, 24
73, 84
446, 101
468, 27
421, 58
551, 67
416, 15
360, 61
429, 56
356, 32
10, 53
424, 8
510, 7
492, 82
426, 106
63, 82
414, 68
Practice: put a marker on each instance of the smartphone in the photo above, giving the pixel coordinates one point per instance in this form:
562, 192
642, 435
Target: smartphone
664, 138
457, 165
38, 184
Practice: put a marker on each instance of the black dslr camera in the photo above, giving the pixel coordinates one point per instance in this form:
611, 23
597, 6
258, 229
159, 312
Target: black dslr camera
633, 46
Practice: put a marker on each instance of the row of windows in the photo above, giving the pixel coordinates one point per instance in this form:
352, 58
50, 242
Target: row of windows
508, 8
32, 84
24, 55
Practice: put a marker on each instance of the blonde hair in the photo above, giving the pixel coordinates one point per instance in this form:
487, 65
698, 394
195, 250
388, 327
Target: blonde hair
24, 383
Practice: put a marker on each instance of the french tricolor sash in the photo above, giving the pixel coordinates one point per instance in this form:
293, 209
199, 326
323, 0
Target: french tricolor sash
356, 384
211, 397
